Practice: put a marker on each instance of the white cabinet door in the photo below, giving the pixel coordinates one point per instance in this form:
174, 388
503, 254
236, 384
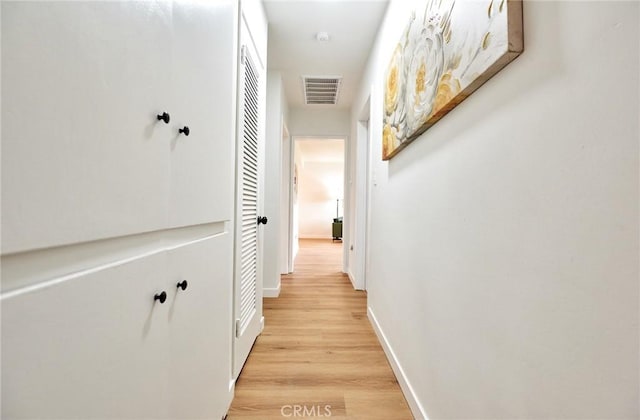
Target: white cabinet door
83, 155
200, 329
203, 88
93, 347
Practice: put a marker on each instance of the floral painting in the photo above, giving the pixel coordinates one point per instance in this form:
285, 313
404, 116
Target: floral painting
447, 50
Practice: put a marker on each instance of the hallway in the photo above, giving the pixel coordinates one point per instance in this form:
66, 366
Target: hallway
317, 350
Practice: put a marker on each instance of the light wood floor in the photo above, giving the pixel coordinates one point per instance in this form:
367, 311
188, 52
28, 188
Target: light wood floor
318, 349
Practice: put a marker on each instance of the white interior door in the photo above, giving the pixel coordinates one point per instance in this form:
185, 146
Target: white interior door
248, 282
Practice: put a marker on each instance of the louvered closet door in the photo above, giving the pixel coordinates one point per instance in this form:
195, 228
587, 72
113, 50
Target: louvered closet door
248, 284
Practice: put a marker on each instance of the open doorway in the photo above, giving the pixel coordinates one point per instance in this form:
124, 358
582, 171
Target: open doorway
318, 191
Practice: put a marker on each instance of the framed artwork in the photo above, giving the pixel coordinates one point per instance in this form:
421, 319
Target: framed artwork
447, 51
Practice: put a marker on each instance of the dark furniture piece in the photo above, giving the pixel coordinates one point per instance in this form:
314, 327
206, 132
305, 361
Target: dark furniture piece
336, 229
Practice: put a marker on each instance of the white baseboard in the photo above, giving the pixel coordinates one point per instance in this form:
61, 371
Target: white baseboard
353, 282
414, 404
232, 391
271, 293
351, 279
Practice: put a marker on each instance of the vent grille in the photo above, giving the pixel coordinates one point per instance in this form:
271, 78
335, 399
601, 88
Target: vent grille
321, 90
249, 228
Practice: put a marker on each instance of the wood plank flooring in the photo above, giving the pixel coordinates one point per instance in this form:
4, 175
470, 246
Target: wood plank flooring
318, 353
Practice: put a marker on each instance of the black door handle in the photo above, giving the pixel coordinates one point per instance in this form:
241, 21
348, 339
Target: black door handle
262, 220
161, 296
182, 285
184, 130
164, 117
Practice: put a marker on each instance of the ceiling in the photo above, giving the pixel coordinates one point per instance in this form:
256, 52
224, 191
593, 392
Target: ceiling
325, 150
352, 26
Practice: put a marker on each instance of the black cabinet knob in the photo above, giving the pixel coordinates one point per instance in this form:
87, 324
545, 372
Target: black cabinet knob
262, 220
164, 117
184, 130
182, 285
161, 296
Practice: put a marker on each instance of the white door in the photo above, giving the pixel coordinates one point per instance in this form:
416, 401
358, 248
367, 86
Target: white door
248, 282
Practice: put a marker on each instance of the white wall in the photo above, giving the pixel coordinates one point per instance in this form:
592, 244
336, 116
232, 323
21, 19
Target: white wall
317, 201
504, 243
320, 122
276, 115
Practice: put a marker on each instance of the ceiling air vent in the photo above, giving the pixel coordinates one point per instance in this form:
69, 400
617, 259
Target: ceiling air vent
321, 90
